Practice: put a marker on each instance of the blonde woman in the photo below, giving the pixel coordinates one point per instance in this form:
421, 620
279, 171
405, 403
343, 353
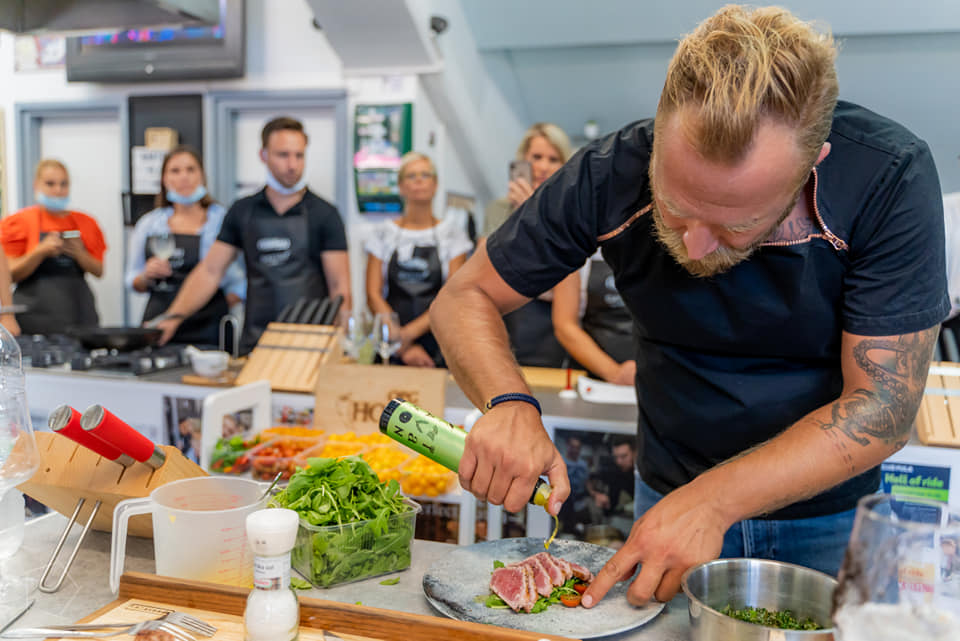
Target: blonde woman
409, 259
51, 249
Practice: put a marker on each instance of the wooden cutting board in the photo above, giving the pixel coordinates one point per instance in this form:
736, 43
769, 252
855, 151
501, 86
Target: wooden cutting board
148, 596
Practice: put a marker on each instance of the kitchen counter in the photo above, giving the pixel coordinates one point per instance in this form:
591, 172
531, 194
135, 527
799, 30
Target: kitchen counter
86, 586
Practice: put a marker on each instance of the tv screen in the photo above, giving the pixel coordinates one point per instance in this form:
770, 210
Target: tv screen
209, 51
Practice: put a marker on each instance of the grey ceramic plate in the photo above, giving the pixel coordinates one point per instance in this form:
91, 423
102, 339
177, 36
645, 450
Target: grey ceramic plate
455, 580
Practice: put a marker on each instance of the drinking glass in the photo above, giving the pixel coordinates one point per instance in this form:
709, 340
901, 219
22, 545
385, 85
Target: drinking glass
19, 459
900, 578
356, 336
386, 327
162, 246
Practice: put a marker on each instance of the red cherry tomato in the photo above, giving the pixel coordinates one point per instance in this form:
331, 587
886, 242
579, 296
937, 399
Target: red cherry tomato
580, 587
570, 600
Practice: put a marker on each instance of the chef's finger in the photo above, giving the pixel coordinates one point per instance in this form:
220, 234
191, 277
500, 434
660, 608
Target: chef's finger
618, 568
500, 484
480, 485
557, 475
647, 583
669, 586
466, 470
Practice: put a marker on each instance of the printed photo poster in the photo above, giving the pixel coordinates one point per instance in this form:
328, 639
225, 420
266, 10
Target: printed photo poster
382, 135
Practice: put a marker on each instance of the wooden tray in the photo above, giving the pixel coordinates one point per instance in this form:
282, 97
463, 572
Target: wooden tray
938, 420
290, 355
148, 596
69, 472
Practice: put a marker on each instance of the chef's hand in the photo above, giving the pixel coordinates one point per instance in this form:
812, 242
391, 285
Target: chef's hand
507, 450
50, 245
73, 247
169, 327
518, 191
156, 269
624, 374
680, 531
416, 356
9, 321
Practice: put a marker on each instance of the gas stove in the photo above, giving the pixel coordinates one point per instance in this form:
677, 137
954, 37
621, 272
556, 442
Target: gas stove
59, 352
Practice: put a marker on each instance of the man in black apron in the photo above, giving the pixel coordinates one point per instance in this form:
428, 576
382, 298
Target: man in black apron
412, 284
784, 264
203, 327
293, 242
56, 295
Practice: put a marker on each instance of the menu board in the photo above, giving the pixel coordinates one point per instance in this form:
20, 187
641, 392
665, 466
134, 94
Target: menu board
382, 135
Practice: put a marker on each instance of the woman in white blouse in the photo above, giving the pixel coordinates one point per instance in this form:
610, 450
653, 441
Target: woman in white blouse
409, 259
168, 242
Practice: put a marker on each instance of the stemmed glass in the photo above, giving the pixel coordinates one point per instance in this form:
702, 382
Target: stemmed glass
356, 336
162, 245
19, 459
900, 578
386, 327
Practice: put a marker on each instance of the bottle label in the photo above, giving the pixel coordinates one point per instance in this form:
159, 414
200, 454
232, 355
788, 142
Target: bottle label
271, 572
425, 433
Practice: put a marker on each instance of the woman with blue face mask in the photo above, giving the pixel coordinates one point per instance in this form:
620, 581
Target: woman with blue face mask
168, 242
51, 248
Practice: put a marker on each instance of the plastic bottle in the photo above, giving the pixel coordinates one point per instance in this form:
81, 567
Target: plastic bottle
436, 439
272, 612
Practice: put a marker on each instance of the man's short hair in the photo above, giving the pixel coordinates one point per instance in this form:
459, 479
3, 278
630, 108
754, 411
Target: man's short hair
741, 66
280, 124
623, 439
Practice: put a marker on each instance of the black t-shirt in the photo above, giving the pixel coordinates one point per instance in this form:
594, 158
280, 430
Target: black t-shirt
325, 226
726, 363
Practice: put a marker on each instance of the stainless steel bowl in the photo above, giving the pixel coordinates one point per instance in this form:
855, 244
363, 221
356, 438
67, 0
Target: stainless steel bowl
757, 583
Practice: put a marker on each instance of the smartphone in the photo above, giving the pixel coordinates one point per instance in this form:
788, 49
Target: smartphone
71, 233
521, 169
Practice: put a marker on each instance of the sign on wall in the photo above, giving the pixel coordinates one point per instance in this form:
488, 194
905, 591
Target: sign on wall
382, 134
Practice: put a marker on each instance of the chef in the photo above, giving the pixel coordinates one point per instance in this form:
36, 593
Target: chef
51, 248
293, 242
782, 255
593, 323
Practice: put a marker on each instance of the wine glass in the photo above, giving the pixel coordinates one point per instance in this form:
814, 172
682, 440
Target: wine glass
900, 578
19, 459
356, 336
386, 327
162, 245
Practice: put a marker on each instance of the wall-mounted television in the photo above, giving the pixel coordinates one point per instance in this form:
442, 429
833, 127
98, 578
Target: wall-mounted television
196, 52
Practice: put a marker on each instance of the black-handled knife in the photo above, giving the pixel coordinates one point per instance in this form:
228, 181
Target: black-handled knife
331, 317
285, 313
308, 311
317, 318
297, 309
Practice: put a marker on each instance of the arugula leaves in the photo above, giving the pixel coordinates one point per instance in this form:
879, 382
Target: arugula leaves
365, 527
544, 602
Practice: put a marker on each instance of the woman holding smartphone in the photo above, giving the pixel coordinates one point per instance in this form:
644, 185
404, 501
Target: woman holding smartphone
544, 149
51, 248
168, 242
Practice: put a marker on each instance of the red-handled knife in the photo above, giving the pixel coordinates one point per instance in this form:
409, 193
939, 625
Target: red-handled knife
98, 421
66, 420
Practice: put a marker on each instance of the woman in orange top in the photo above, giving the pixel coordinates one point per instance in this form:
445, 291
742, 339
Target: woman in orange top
50, 249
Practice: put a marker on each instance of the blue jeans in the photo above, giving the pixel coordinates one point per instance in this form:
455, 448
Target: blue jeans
817, 542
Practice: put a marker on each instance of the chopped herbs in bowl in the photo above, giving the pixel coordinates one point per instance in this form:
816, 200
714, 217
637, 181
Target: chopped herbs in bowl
782, 619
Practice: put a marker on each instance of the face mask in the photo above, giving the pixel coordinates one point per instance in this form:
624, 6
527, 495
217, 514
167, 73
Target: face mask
52, 203
278, 187
196, 196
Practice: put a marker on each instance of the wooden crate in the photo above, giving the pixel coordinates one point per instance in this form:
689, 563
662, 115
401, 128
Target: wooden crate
69, 472
938, 420
290, 355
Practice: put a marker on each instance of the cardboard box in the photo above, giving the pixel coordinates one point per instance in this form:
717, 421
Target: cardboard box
938, 420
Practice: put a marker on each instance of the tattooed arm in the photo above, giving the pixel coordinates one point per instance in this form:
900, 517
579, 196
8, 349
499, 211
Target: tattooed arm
883, 381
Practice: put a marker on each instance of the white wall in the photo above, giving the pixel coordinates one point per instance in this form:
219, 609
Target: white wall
284, 51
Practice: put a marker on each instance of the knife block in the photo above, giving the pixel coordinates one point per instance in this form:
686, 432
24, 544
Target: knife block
290, 356
69, 472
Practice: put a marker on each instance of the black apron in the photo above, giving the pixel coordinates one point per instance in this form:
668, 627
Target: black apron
279, 269
531, 335
57, 296
203, 327
606, 318
411, 286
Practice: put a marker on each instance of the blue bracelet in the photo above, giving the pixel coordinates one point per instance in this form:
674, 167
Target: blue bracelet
505, 398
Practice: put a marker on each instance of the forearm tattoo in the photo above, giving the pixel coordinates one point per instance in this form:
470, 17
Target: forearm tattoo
898, 368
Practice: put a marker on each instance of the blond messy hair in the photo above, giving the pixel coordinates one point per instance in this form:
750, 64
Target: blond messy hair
411, 157
47, 163
744, 65
552, 133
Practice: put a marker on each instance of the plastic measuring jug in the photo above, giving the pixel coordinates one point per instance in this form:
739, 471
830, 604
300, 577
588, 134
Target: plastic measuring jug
199, 529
